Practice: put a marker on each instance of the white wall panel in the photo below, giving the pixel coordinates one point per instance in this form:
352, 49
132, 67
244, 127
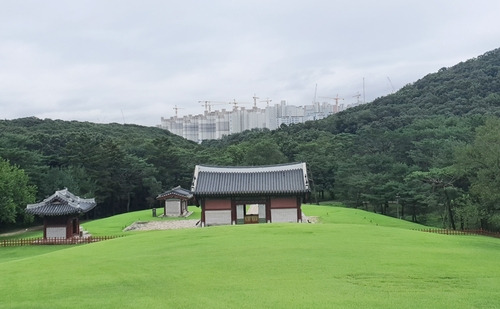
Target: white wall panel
239, 212
56, 232
262, 211
173, 207
216, 217
284, 215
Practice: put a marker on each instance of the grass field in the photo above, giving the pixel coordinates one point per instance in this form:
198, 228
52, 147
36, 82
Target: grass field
352, 259
113, 226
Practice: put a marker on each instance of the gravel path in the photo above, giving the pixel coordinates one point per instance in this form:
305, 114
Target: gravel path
310, 219
161, 225
182, 224
34, 228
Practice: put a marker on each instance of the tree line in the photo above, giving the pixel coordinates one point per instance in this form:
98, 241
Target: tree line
428, 153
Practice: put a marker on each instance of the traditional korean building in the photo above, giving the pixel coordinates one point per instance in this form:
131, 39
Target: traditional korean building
60, 213
176, 201
260, 194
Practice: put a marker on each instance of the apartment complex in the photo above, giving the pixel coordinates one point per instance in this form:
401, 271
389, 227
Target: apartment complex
216, 124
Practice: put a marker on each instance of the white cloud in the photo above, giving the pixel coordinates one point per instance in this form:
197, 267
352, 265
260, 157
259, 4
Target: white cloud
134, 61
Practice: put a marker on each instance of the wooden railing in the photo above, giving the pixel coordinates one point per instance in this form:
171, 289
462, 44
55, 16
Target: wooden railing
462, 232
53, 241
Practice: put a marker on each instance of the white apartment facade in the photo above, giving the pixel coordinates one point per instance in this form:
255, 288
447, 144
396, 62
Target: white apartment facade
216, 124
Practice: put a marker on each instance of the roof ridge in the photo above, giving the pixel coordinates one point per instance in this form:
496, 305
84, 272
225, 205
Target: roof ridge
252, 169
251, 166
72, 203
273, 179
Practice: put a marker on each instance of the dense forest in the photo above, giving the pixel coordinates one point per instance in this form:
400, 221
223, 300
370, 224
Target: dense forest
429, 153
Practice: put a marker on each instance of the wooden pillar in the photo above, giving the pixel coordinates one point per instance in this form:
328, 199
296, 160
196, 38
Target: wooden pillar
233, 211
69, 227
268, 209
67, 223
76, 226
299, 209
202, 205
45, 228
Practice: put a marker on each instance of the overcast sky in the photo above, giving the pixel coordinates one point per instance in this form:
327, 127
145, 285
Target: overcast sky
134, 61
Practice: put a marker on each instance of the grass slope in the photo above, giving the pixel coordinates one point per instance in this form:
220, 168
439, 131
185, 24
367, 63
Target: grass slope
352, 263
113, 226
342, 215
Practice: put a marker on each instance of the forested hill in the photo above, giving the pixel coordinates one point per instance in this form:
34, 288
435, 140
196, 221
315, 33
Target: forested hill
419, 153
416, 146
468, 88
123, 166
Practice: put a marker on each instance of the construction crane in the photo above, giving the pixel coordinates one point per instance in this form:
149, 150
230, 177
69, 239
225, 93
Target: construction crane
357, 97
208, 104
176, 109
315, 92
390, 83
267, 101
255, 98
337, 98
235, 104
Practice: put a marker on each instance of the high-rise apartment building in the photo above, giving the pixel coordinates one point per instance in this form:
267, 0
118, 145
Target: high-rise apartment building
216, 124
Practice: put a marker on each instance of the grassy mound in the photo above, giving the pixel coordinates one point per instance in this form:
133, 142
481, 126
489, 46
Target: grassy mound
353, 259
113, 226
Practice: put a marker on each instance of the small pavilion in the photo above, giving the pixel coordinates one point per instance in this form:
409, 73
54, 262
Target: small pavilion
176, 201
60, 213
256, 194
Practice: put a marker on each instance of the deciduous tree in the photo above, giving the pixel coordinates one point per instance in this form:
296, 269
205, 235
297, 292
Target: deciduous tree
15, 193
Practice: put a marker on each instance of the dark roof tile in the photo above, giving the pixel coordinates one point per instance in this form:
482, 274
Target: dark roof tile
62, 202
177, 192
273, 179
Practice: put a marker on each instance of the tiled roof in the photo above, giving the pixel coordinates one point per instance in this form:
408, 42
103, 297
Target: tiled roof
177, 192
272, 179
62, 202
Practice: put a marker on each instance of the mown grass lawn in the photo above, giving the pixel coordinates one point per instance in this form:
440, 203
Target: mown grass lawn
28, 234
114, 226
362, 264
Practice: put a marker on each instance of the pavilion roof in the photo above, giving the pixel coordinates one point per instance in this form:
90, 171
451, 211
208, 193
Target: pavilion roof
62, 202
177, 192
253, 180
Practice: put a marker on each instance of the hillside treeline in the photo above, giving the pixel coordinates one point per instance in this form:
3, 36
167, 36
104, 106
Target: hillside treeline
429, 153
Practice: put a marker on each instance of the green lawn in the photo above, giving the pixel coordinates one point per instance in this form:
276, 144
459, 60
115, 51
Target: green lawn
28, 234
353, 259
113, 226
342, 215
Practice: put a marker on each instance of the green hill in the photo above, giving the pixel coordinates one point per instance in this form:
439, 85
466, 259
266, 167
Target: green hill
351, 260
412, 154
123, 166
469, 88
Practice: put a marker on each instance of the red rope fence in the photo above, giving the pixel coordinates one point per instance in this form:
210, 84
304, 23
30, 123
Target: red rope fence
461, 232
53, 241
